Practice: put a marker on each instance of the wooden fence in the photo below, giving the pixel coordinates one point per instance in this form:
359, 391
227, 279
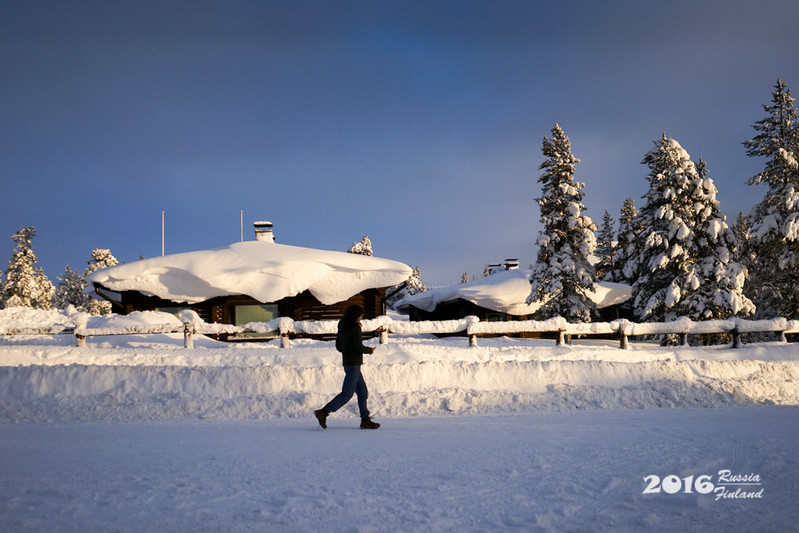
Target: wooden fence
470, 327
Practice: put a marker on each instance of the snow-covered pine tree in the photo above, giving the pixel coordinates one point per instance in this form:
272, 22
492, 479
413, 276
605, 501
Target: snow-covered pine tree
775, 220
414, 285
605, 246
744, 254
626, 237
26, 284
70, 289
682, 261
741, 229
714, 285
101, 258
464, 278
362, 247
661, 254
562, 276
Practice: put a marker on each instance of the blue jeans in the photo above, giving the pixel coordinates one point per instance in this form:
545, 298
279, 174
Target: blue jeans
353, 384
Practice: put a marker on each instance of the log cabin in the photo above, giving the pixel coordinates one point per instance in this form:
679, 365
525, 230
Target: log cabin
501, 296
253, 281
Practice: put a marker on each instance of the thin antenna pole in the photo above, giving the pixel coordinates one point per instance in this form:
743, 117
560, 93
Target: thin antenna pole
242, 225
162, 233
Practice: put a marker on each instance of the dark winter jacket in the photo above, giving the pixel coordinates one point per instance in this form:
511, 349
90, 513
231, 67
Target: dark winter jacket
349, 341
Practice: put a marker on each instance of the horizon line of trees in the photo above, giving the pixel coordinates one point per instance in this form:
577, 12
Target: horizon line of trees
678, 253
26, 285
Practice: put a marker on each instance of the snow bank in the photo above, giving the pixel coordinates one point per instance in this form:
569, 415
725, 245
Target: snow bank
433, 326
136, 322
137, 378
265, 271
45, 378
20, 320
686, 325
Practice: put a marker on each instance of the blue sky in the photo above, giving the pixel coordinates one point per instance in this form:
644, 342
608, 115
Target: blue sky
418, 124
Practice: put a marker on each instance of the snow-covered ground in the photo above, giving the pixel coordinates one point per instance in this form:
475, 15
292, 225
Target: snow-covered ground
137, 433
575, 471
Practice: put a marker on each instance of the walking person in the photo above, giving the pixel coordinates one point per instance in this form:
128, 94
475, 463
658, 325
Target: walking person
349, 341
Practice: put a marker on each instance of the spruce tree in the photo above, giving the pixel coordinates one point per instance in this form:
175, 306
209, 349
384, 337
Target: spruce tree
605, 246
775, 220
70, 290
682, 261
661, 255
741, 230
362, 247
26, 284
414, 285
627, 235
101, 258
713, 287
562, 276
744, 253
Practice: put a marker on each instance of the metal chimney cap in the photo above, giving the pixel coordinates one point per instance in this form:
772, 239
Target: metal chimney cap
263, 231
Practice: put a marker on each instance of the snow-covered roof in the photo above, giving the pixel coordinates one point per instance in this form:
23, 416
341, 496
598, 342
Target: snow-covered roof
266, 271
505, 292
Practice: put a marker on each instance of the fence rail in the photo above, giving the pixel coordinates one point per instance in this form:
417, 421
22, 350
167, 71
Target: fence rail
470, 327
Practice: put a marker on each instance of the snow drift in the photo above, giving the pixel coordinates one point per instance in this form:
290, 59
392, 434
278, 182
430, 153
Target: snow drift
45, 378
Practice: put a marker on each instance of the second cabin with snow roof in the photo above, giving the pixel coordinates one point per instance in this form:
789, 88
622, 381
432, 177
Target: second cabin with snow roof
253, 281
502, 296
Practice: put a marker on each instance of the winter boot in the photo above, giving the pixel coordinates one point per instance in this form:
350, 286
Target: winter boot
367, 423
321, 416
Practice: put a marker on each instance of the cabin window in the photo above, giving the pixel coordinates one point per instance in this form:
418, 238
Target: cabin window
244, 314
172, 310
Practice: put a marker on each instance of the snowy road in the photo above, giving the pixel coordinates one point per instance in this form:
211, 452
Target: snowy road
575, 471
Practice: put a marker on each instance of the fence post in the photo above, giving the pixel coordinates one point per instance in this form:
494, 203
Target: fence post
472, 340
383, 336
284, 340
80, 340
683, 339
188, 335
736, 337
560, 338
622, 330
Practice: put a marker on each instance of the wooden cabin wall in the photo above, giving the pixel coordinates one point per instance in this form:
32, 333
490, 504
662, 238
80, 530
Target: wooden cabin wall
304, 306
458, 309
